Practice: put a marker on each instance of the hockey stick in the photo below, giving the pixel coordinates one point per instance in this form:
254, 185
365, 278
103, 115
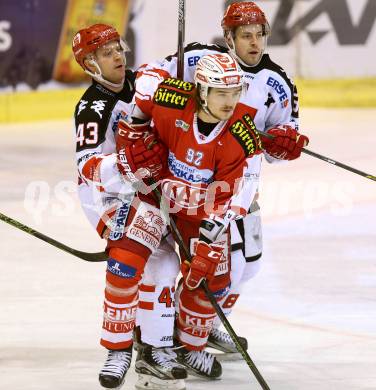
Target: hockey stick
222, 316
179, 240
327, 159
91, 257
181, 38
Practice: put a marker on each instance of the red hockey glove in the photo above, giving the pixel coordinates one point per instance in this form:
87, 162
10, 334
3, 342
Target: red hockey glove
128, 133
202, 266
144, 158
287, 143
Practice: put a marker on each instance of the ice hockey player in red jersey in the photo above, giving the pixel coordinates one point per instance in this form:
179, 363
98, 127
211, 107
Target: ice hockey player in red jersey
108, 172
273, 97
213, 169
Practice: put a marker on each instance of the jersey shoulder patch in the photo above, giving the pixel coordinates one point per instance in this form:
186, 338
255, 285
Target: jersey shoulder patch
245, 132
174, 93
178, 84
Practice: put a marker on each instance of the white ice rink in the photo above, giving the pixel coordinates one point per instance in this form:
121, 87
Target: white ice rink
309, 316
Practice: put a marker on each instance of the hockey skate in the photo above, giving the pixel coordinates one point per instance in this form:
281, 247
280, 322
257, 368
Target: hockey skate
115, 367
202, 364
222, 341
158, 368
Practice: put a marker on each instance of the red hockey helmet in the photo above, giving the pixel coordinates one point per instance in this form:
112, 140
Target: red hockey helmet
91, 38
242, 13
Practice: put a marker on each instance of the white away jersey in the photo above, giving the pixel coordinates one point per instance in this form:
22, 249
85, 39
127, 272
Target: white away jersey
268, 89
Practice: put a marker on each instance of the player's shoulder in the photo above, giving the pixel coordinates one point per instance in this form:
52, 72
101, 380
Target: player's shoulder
205, 46
242, 130
199, 49
174, 93
280, 72
97, 102
269, 72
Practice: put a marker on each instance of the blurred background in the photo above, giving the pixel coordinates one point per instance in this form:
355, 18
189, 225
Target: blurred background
328, 46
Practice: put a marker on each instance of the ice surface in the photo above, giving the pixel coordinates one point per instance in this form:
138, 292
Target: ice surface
310, 315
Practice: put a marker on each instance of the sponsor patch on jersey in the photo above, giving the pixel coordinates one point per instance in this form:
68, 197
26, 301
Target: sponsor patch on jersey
192, 61
120, 220
169, 98
181, 170
181, 124
85, 157
147, 227
219, 294
246, 133
166, 338
178, 84
120, 115
120, 269
249, 121
279, 88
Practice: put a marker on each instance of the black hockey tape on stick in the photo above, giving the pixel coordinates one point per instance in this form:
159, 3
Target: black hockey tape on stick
217, 308
91, 257
181, 39
327, 159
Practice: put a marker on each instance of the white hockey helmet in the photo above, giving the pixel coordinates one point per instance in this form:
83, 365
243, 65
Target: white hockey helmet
216, 71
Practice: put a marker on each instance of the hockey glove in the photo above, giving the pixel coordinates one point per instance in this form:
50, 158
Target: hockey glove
128, 133
202, 266
144, 158
287, 143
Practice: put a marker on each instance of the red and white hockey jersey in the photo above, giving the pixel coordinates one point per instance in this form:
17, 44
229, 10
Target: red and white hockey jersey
206, 174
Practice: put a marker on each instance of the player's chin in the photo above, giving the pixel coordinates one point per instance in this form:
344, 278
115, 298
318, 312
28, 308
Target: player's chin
225, 114
253, 58
117, 80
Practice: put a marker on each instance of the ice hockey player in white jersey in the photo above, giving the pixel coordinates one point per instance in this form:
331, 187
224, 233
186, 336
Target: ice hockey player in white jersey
106, 191
273, 97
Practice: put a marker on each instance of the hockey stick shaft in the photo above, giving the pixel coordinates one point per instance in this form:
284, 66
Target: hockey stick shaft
217, 308
91, 257
181, 39
327, 159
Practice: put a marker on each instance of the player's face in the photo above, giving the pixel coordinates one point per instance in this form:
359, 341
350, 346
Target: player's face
250, 43
111, 60
222, 101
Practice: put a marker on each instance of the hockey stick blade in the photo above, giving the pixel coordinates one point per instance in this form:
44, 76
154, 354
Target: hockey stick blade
228, 356
87, 256
327, 159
